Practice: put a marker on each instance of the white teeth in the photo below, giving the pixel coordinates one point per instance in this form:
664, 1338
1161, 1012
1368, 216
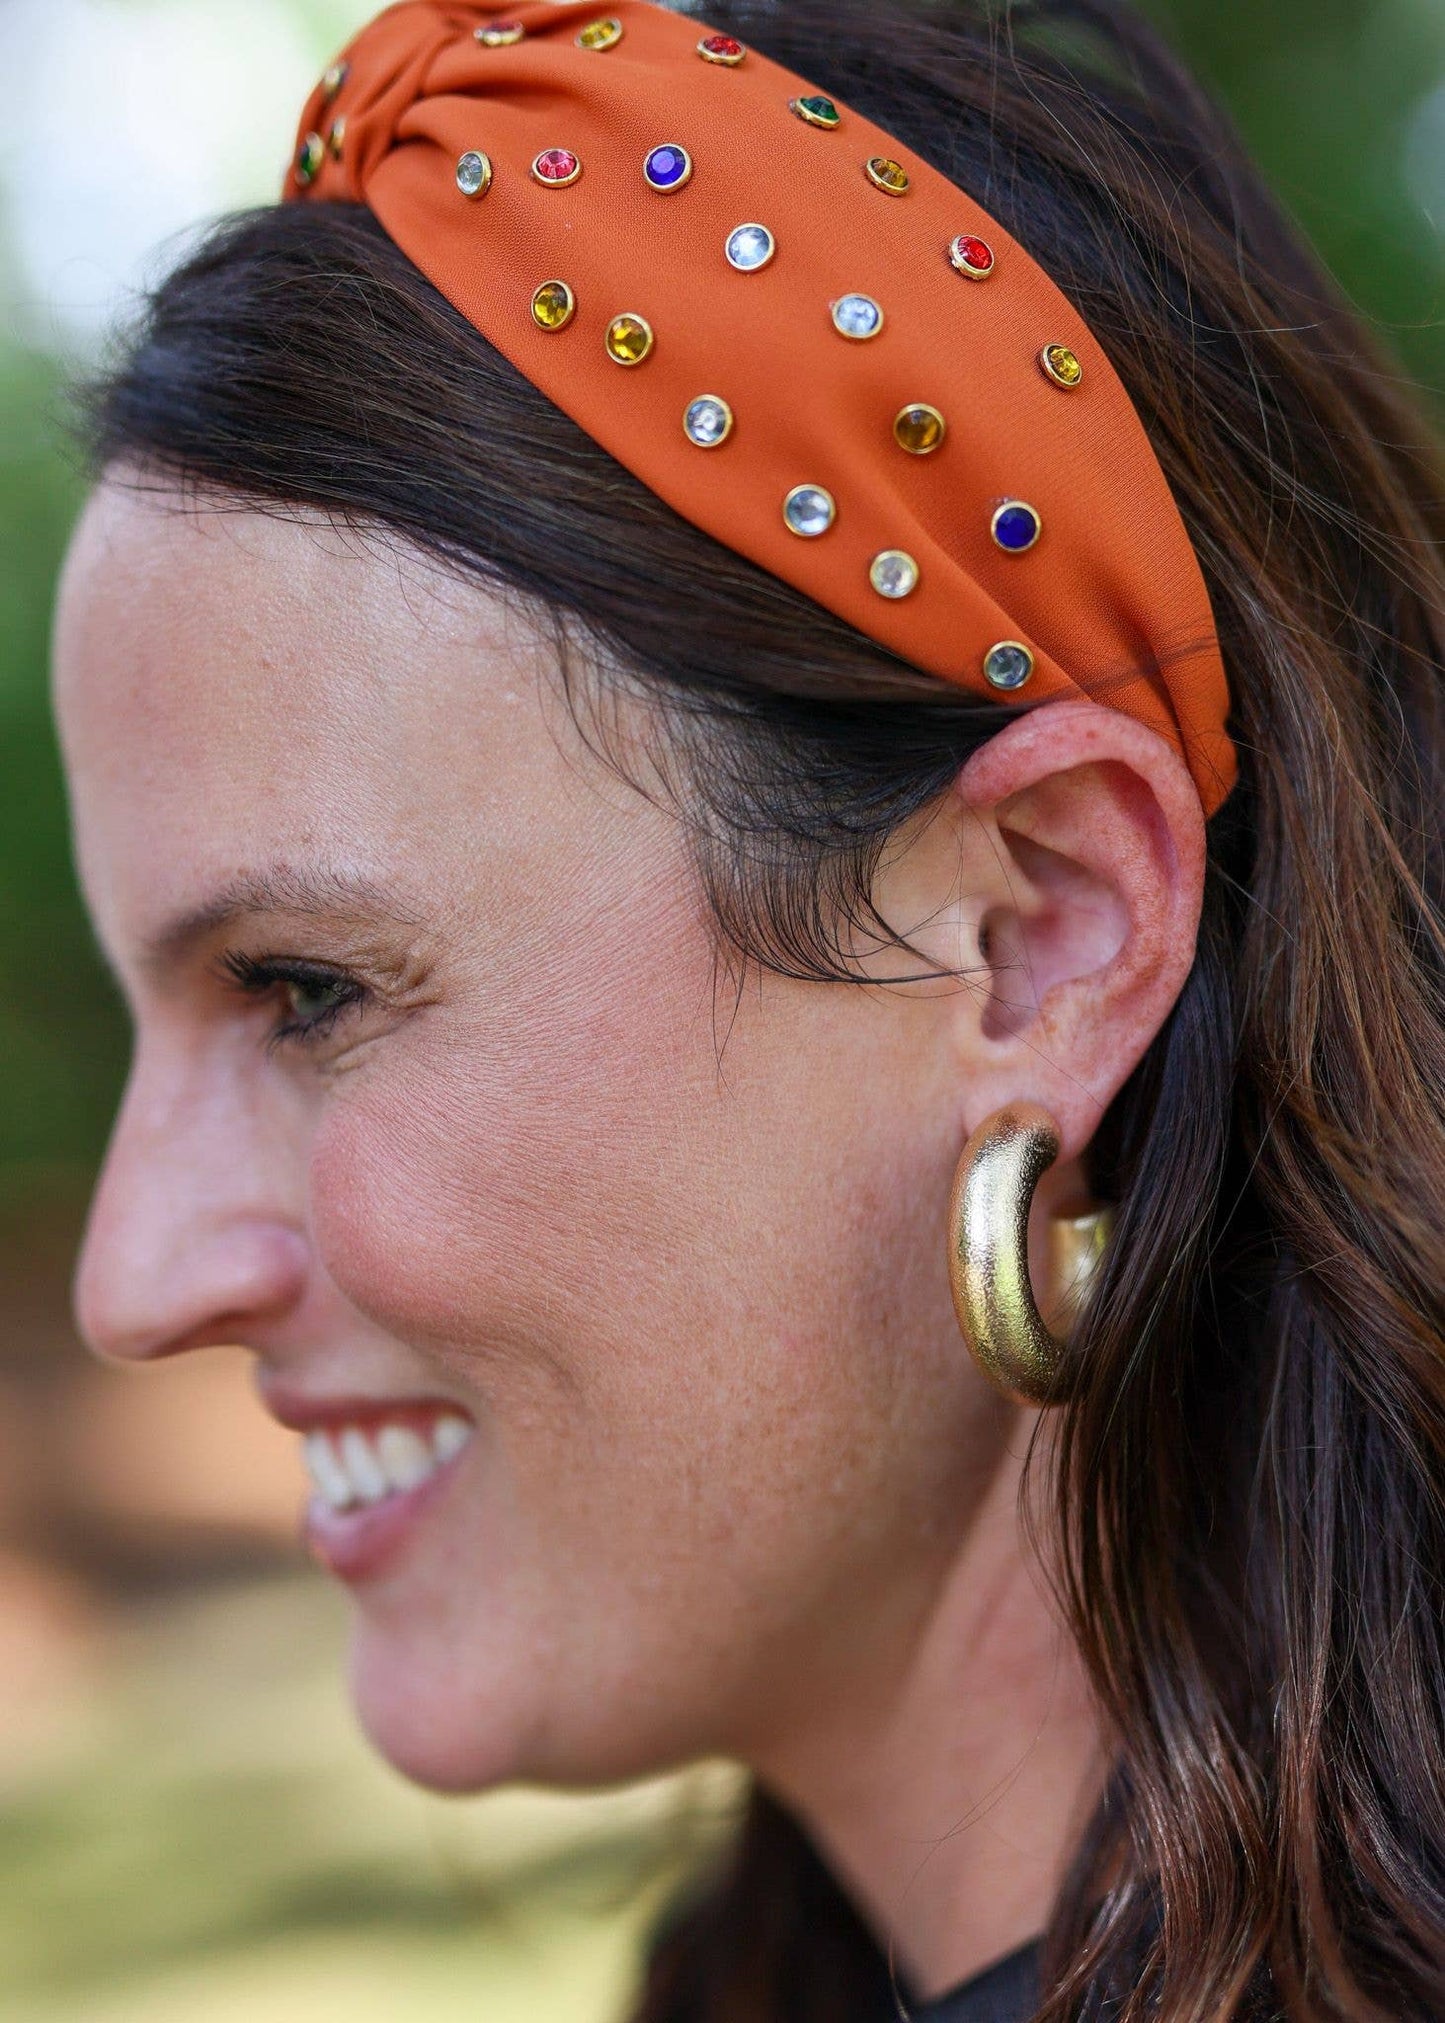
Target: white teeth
333, 1484
449, 1436
368, 1477
405, 1456
362, 1468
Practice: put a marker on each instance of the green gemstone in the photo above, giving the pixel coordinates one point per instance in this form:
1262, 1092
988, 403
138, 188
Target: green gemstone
310, 157
818, 111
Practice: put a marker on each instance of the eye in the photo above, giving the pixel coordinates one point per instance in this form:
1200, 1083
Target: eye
312, 996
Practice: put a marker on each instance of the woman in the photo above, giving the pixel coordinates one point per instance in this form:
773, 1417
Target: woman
615, 969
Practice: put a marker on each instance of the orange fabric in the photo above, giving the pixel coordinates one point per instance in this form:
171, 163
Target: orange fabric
1110, 599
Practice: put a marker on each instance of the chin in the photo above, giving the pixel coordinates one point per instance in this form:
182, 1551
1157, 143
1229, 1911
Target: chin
435, 1724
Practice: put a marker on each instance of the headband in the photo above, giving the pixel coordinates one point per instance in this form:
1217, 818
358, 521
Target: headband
797, 332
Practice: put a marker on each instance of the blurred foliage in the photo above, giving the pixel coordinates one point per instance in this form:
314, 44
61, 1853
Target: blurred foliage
1323, 91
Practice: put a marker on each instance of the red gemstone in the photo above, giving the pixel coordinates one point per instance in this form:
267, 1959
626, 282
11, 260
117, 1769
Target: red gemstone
556, 165
967, 251
721, 45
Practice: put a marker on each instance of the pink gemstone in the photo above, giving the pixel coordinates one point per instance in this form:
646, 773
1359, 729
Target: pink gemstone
555, 165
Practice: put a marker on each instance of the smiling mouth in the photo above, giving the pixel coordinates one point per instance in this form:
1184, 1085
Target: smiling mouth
353, 1467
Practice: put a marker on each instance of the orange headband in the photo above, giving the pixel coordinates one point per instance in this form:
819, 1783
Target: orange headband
796, 332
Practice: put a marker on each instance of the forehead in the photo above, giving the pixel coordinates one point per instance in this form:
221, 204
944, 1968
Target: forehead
230, 684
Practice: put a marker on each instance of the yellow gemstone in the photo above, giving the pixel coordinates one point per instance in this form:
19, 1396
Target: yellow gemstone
887, 175
629, 339
553, 306
336, 140
919, 428
604, 34
1061, 365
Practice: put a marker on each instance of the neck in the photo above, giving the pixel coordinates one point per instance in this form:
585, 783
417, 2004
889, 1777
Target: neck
948, 1802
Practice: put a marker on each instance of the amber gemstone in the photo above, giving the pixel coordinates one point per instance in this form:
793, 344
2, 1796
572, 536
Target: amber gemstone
336, 139
887, 175
919, 428
553, 306
721, 49
629, 339
498, 34
310, 158
603, 34
1061, 365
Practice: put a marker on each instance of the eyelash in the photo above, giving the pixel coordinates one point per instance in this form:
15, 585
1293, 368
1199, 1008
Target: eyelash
259, 976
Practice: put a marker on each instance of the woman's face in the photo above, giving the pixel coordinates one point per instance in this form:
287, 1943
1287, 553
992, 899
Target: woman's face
441, 1105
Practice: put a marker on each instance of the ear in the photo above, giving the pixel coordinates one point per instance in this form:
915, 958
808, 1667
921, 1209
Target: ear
1078, 875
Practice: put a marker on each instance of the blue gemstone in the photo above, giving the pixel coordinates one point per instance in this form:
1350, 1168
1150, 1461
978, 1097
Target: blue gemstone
666, 167
1016, 527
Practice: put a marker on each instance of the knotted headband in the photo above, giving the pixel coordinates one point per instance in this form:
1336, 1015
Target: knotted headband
804, 338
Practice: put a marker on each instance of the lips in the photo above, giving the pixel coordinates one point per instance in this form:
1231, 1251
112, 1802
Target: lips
376, 1465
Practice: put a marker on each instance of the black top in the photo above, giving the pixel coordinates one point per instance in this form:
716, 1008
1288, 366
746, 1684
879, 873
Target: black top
1006, 1992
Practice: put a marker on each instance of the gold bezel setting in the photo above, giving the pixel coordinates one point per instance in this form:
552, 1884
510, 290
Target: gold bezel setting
559, 182
1007, 665
630, 325
816, 110
925, 412
724, 49
971, 256
474, 173
1062, 364
600, 35
894, 574
566, 301
885, 174
809, 511
310, 159
857, 317
676, 153
718, 413
1012, 514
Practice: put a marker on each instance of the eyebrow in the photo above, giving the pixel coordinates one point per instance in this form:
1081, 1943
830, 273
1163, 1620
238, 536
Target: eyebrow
280, 889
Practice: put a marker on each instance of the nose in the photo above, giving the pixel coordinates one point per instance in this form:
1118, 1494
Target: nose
195, 1235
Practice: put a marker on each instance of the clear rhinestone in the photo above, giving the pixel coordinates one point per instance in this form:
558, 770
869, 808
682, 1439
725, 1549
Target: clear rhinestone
750, 247
857, 316
708, 421
474, 173
894, 573
1008, 665
809, 510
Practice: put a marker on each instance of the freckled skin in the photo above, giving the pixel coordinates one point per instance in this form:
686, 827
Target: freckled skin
736, 1487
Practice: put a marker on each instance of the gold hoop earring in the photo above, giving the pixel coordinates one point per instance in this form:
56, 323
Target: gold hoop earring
988, 1255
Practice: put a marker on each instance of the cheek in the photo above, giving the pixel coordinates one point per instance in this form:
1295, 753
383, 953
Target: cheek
478, 1181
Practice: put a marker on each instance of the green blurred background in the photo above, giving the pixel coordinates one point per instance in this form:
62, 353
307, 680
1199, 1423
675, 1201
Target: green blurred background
188, 1822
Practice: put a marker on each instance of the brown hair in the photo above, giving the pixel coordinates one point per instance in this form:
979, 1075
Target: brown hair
1250, 1534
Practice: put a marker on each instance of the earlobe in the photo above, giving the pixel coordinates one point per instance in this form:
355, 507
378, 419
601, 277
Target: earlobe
1089, 908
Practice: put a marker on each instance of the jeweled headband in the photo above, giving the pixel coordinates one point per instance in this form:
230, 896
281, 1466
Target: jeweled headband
805, 339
